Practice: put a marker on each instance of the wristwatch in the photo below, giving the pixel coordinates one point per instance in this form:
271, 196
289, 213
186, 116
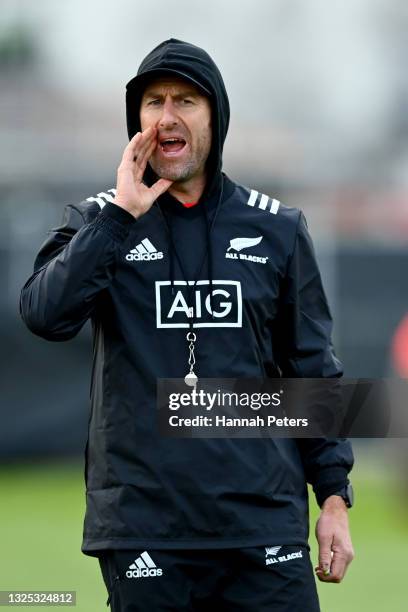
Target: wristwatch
347, 494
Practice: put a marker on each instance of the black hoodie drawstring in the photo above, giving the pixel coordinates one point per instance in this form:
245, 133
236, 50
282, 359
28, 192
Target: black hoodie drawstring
209, 227
171, 254
210, 260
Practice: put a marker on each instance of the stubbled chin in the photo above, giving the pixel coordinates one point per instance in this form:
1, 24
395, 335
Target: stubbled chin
173, 170
180, 176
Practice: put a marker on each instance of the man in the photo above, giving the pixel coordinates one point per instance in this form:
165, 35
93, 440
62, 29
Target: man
181, 524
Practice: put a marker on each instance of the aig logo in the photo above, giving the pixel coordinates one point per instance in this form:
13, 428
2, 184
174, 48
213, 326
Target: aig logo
172, 309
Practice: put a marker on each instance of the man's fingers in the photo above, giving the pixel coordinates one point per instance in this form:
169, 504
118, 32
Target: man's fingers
342, 557
142, 145
160, 187
129, 152
137, 145
322, 576
325, 547
338, 566
143, 157
336, 574
147, 136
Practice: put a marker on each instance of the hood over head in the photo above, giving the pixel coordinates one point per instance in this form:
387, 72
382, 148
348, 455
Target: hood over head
187, 61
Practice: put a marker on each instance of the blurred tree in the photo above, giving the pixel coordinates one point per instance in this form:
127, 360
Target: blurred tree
17, 48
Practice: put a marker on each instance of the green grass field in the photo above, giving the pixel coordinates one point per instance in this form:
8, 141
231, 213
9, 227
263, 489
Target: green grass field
41, 514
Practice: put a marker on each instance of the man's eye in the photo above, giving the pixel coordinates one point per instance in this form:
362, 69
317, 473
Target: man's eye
153, 102
187, 101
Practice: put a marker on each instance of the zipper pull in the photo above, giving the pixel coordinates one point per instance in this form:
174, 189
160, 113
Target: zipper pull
115, 582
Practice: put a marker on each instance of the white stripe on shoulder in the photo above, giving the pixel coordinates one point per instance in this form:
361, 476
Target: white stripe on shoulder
275, 206
103, 197
252, 198
264, 202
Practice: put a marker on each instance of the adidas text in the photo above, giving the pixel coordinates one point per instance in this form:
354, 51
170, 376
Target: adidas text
144, 573
144, 256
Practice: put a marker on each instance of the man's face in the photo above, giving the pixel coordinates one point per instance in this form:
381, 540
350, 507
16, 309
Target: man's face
179, 111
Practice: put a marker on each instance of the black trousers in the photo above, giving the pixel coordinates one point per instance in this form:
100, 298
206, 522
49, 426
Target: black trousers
254, 579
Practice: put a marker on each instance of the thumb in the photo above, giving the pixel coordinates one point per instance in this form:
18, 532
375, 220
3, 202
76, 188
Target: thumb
325, 543
160, 187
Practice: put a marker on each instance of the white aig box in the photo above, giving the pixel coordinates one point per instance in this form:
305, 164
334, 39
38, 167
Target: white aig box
172, 308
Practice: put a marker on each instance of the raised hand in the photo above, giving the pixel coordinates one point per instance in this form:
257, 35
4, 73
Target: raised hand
131, 193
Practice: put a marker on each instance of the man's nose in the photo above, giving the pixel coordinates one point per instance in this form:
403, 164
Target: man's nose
168, 116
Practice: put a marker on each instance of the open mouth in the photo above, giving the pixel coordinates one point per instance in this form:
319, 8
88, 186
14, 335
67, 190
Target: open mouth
172, 145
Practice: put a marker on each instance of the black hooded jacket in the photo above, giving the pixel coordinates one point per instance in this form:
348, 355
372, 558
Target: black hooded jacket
262, 315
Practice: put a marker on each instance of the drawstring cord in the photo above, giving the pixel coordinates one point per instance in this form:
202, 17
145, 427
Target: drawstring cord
171, 267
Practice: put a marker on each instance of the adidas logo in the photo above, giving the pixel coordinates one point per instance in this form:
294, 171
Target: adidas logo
143, 567
144, 251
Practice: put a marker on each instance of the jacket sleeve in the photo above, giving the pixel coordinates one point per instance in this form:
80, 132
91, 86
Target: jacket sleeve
303, 349
74, 265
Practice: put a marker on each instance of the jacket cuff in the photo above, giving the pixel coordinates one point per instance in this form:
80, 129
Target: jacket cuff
113, 211
329, 481
115, 221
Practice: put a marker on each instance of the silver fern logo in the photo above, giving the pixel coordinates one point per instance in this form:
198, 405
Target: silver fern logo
272, 550
243, 243
239, 244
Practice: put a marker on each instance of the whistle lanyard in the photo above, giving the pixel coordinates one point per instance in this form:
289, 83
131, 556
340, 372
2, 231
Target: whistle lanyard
191, 378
